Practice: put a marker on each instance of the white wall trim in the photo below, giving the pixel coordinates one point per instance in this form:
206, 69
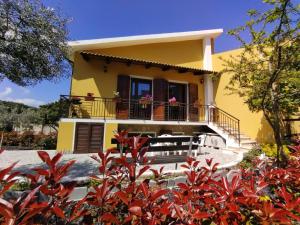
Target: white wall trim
73, 141
103, 142
207, 65
132, 121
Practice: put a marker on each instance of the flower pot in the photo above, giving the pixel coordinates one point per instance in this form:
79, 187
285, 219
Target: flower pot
89, 98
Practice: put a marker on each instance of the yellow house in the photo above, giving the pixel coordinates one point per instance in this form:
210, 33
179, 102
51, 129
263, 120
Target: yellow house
151, 85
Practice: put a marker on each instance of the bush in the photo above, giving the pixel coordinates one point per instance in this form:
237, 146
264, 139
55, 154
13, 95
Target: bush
264, 195
250, 158
47, 142
271, 150
28, 139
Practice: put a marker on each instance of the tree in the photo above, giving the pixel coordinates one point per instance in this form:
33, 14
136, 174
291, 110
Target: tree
33, 42
52, 112
16, 115
267, 72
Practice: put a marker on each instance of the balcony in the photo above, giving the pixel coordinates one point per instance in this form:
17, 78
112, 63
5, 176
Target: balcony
116, 108
124, 109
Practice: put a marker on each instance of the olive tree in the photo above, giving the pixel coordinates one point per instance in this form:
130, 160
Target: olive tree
33, 42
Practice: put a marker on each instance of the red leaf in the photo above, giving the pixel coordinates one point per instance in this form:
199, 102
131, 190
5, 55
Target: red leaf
122, 196
38, 205
58, 212
158, 194
108, 217
209, 161
143, 170
201, 215
144, 188
45, 157
136, 210
42, 172
6, 171
183, 186
28, 198
178, 211
56, 158
185, 166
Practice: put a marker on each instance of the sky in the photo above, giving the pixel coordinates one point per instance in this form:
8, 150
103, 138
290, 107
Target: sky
92, 19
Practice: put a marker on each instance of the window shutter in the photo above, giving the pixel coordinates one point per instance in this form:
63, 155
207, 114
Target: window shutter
96, 138
82, 138
160, 97
193, 102
89, 138
123, 87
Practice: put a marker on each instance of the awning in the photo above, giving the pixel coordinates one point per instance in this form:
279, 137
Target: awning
129, 61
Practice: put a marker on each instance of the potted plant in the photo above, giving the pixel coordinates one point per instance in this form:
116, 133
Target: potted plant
116, 97
173, 102
145, 101
89, 97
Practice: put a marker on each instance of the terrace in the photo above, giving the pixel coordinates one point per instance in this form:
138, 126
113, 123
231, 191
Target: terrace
155, 112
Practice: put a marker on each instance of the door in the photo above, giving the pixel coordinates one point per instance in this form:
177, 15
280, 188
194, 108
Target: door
160, 99
89, 138
140, 99
177, 110
123, 87
193, 102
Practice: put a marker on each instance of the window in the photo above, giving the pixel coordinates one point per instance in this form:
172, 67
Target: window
140, 88
178, 91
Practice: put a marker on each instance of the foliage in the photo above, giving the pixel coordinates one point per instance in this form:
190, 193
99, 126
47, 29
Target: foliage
33, 42
249, 158
52, 112
266, 195
28, 139
16, 115
271, 150
266, 73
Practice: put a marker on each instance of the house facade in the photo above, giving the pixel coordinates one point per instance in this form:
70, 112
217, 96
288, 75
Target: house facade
152, 85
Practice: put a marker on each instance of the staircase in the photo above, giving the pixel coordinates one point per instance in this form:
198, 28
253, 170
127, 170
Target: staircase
228, 127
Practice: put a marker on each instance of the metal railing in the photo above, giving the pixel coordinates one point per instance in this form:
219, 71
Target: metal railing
226, 121
116, 108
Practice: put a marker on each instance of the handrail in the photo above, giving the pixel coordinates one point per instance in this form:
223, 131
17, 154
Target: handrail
108, 108
226, 121
226, 113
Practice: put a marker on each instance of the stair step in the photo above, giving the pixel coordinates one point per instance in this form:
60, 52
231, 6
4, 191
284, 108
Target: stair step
248, 142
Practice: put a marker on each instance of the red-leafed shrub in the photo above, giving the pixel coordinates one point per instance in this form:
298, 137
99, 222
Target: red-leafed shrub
124, 195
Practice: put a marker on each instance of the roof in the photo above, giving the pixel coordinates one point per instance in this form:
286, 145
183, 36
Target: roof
82, 45
147, 64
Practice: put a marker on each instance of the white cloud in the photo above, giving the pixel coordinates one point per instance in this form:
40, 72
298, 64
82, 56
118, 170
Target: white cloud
7, 91
5, 95
27, 101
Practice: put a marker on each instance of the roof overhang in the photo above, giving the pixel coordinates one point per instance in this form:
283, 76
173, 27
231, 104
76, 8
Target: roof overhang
147, 64
140, 40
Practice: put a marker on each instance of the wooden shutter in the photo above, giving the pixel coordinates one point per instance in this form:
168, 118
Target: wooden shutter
160, 96
96, 138
123, 87
89, 138
82, 138
193, 102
